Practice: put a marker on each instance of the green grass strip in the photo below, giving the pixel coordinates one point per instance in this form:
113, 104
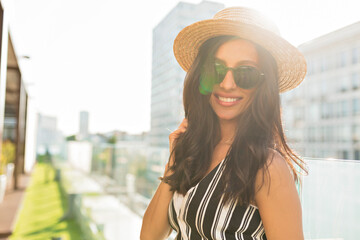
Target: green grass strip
43, 206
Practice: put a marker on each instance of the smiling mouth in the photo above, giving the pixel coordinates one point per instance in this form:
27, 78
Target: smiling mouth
226, 99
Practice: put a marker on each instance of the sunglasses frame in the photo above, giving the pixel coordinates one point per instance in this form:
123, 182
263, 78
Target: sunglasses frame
239, 82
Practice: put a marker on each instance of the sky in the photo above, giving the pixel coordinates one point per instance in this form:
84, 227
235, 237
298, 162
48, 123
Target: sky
95, 56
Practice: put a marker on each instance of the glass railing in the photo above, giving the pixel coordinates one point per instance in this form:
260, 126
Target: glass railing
128, 174
330, 199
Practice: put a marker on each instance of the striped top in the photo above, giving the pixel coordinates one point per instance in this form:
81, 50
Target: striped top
200, 215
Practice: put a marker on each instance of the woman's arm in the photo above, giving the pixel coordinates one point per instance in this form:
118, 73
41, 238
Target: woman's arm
155, 225
278, 202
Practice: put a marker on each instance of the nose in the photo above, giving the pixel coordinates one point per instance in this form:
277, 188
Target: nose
228, 83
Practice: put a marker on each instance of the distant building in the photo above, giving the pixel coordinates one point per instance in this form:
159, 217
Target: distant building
97, 139
115, 151
84, 125
167, 76
322, 115
124, 136
48, 136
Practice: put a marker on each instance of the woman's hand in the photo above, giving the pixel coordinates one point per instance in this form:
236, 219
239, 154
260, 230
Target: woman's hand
155, 221
174, 135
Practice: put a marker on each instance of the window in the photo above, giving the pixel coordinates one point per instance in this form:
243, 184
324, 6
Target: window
336, 133
355, 80
312, 89
313, 112
310, 69
299, 113
322, 134
343, 59
344, 83
355, 55
322, 64
329, 110
295, 135
345, 133
329, 62
332, 109
345, 154
314, 66
324, 86
357, 154
344, 108
356, 106
338, 109
324, 110
311, 132
356, 133
327, 133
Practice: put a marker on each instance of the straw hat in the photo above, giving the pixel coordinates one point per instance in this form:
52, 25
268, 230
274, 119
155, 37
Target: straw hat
247, 24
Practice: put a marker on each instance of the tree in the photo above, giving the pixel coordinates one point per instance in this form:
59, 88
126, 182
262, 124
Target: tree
71, 138
112, 139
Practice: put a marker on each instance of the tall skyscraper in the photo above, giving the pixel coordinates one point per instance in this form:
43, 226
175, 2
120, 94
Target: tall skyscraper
322, 115
84, 125
167, 76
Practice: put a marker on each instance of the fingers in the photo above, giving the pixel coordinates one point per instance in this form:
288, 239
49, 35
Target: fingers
184, 123
181, 129
175, 134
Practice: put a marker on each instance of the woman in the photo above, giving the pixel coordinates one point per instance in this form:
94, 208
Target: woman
231, 174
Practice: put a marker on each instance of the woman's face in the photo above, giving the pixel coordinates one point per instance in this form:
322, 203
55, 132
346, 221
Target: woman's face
227, 99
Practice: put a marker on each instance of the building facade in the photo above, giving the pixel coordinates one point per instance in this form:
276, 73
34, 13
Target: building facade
167, 76
49, 138
322, 115
83, 125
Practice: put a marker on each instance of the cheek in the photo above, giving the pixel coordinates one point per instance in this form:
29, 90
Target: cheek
248, 97
248, 93
211, 101
247, 103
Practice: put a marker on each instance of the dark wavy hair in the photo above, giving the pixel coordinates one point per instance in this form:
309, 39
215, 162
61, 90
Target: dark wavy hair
261, 131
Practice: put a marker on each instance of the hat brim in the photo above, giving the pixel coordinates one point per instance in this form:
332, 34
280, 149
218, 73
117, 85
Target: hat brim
290, 61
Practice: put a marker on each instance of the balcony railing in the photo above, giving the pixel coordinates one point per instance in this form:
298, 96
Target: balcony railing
330, 199
329, 194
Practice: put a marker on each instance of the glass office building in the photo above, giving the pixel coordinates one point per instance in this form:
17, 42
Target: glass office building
167, 76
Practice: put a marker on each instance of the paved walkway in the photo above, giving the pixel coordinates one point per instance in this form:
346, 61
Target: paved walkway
10, 206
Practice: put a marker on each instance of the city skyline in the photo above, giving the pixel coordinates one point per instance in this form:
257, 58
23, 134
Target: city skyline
86, 64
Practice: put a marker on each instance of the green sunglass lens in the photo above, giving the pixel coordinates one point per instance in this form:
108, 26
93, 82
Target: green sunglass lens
207, 82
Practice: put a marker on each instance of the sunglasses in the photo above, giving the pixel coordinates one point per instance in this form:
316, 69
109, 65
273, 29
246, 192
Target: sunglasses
245, 77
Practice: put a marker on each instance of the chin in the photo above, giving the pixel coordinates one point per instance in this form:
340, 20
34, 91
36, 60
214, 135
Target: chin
227, 117
228, 114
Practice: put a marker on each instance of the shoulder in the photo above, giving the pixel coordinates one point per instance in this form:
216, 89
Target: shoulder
277, 199
275, 173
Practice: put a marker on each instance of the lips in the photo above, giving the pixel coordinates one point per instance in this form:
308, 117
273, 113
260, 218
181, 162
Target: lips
226, 95
227, 100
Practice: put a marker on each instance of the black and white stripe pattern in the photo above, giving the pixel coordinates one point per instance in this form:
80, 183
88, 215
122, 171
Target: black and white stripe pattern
201, 213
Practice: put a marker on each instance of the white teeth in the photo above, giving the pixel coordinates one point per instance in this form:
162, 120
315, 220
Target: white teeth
228, 99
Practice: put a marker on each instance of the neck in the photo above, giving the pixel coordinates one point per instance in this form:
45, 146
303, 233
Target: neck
228, 129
